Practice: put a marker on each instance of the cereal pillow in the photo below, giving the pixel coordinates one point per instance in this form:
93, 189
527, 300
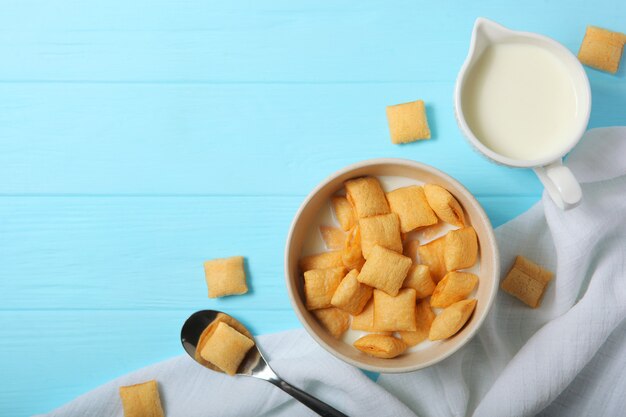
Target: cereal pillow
395, 313
380, 346
461, 248
226, 348
366, 196
410, 204
385, 270
141, 400
383, 230
225, 276
351, 296
320, 285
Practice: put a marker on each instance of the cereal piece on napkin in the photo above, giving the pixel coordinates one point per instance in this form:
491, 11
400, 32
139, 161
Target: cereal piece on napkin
352, 255
226, 348
225, 276
380, 346
385, 270
455, 286
602, 49
432, 255
410, 204
424, 317
444, 205
461, 248
450, 321
395, 313
320, 285
408, 122
334, 320
351, 296
321, 261
420, 280
208, 332
382, 230
527, 281
344, 212
141, 400
366, 196
333, 237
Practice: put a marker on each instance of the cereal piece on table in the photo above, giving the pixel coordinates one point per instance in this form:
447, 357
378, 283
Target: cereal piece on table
432, 255
344, 212
321, 261
320, 285
408, 122
444, 205
334, 320
351, 256
366, 196
141, 400
450, 321
420, 280
385, 270
410, 204
602, 49
527, 281
455, 286
380, 346
351, 296
382, 230
226, 348
410, 249
333, 237
461, 248
424, 317
395, 313
208, 331
225, 276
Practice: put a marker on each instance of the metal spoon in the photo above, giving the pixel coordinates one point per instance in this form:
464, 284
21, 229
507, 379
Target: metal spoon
254, 364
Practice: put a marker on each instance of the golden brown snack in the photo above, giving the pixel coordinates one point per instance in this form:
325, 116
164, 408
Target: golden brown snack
461, 248
351, 296
382, 230
208, 331
395, 313
527, 281
432, 255
602, 49
333, 237
225, 276
344, 212
444, 204
226, 348
366, 196
409, 248
351, 256
424, 317
410, 204
450, 321
408, 122
141, 400
320, 285
380, 346
455, 286
334, 320
385, 270
321, 261
420, 280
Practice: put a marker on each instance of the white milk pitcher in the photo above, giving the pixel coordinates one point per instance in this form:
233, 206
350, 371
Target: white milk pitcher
523, 100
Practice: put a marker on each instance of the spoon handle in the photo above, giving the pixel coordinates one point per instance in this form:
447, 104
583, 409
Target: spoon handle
310, 401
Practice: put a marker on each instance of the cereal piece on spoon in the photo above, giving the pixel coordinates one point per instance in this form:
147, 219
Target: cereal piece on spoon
226, 348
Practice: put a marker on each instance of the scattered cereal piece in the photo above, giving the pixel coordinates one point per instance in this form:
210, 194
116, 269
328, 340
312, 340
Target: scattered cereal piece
455, 286
408, 122
602, 49
382, 230
432, 255
320, 285
334, 320
450, 321
226, 348
410, 204
333, 237
321, 261
461, 248
424, 317
366, 196
527, 281
420, 280
225, 276
395, 313
385, 270
141, 400
444, 204
344, 212
351, 296
380, 346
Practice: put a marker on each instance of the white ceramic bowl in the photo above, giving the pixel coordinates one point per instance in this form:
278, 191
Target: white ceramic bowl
489, 264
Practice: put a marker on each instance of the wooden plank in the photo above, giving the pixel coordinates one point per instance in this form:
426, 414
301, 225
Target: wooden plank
232, 139
147, 252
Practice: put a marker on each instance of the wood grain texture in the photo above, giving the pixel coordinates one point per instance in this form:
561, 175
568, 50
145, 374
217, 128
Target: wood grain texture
139, 138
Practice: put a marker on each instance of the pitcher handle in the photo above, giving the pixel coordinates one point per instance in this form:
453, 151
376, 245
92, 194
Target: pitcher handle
561, 184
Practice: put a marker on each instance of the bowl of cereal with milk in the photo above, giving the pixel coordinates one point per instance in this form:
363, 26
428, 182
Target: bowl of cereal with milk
391, 265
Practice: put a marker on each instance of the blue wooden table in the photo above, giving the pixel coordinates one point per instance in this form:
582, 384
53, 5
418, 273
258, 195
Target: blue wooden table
138, 139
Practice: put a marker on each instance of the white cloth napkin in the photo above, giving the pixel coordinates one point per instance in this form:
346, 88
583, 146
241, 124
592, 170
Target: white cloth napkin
567, 357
